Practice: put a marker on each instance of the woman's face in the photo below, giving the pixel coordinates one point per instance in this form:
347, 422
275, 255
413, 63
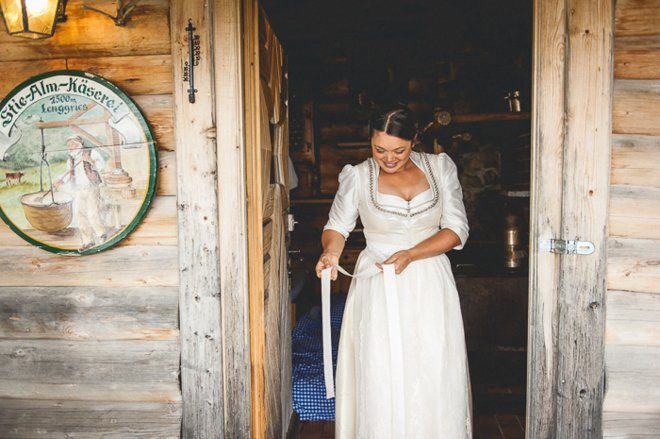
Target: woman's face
390, 152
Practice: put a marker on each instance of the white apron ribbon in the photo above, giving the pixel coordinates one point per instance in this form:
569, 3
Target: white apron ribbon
394, 328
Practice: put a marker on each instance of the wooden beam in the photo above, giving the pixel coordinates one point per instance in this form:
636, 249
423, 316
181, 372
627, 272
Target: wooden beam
255, 216
635, 159
572, 126
89, 313
129, 371
202, 373
42, 419
587, 149
546, 181
636, 107
229, 107
122, 267
89, 34
633, 264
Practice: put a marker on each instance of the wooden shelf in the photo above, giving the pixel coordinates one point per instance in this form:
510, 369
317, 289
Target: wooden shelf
489, 117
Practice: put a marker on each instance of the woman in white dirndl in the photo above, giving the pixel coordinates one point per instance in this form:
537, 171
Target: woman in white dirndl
402, 368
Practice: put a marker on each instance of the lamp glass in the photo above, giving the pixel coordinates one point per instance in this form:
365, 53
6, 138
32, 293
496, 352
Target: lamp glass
30, 18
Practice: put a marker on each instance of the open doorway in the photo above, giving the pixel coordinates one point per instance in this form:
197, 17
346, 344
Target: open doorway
466, 70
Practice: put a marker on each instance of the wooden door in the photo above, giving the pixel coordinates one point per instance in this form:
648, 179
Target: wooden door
268, 204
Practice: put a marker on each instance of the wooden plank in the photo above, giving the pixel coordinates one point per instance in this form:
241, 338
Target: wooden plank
254, 185
632, 378
581, 328
200, 308
229, 106
632, 264
15, 72
637, 17
35, 418
125, 370
545, 219
136, 75
633, 318
89, 313
272, 308
166, 173
119, 267
637, 58
635, 212
158, 110
146, 33
158, 227
635, 159
628, 424
636, 107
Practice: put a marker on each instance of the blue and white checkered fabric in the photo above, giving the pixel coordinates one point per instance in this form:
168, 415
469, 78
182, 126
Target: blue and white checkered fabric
309, 399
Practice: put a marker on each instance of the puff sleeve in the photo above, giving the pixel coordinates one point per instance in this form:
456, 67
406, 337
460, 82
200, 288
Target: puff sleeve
453, 209
344, 211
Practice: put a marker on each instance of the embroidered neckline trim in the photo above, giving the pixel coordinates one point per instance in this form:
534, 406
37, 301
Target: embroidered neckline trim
406, 212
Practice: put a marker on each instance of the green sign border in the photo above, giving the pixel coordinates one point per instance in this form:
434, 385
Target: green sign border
153, 164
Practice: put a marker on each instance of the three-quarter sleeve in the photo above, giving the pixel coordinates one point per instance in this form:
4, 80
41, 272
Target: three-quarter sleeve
344, 211
453, 209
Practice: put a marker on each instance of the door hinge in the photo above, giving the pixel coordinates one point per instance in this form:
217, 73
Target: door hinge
566, 247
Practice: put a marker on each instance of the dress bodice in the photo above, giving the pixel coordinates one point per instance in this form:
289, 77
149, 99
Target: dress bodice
392, 221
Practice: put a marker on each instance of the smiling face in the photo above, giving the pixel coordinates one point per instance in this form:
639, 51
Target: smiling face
390, 152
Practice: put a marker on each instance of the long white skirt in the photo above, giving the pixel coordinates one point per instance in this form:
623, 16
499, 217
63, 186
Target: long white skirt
432, 398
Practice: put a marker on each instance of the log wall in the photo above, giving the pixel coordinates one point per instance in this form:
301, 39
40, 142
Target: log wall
632, 336
89, 346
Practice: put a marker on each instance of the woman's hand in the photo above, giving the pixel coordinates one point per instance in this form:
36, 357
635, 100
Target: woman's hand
400, 259
327, 260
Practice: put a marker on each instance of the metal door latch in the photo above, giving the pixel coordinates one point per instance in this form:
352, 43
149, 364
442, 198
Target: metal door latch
570, 247
290, 222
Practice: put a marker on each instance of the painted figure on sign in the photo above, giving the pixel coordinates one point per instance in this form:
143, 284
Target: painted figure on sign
82, 179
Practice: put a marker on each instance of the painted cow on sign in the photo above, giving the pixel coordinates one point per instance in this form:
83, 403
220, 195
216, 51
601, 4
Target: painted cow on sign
13, 177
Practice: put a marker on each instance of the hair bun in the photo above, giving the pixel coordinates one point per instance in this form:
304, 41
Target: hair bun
397, 120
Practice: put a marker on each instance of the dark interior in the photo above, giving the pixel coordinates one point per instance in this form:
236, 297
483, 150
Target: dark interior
465, 69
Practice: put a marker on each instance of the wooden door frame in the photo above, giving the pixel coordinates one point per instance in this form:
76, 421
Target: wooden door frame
212, 222
255, 219
571, 138
571, 142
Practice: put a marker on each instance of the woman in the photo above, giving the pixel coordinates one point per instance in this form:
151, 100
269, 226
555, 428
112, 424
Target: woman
402, 367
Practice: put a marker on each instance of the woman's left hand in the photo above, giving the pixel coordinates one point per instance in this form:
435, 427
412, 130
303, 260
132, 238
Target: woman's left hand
400, 259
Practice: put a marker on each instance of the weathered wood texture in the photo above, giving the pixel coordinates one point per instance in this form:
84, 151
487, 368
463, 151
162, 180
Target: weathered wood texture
277, 317
90, 346
89, 34
255, 207
229, 104
634, 160
36, 418
197, 200
581, 377
90, 313
570, 180
119, 370
546, 180
273, 149
632, 352
636, 105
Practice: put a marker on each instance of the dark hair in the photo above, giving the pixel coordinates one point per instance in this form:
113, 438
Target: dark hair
398, 121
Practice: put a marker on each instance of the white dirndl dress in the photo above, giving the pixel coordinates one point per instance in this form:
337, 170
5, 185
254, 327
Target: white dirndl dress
402, 368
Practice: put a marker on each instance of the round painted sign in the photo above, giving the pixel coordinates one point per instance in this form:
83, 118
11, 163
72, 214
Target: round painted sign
77, 162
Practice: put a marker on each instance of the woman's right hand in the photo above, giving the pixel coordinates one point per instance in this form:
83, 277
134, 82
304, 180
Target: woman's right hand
327, 260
